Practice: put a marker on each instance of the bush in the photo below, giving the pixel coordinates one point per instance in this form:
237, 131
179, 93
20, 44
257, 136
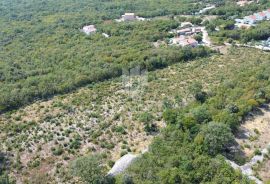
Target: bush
89, 169
216, 137
170, 115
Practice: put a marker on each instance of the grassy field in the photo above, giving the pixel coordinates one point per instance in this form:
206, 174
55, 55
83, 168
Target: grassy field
104, 118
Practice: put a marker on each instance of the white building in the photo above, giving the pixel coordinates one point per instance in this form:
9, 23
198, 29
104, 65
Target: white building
89, 29
129, 17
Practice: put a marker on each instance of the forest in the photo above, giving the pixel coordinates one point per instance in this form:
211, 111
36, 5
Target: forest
43, 52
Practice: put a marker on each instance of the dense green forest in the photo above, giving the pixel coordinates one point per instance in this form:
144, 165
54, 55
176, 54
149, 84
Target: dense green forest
43, 52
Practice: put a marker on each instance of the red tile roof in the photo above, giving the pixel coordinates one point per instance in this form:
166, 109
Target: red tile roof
262, 14
252, 17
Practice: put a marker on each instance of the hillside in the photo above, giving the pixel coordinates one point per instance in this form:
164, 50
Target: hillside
43, 52
104, 118
134, 91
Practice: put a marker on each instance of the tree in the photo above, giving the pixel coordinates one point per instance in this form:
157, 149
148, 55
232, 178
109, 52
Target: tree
127, 179
216, 137
198, 38
201, 114
89, 169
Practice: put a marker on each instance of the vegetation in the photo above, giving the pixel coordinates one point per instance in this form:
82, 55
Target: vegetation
201, 96
43, 52
229, 34
191, 143
89, 168
102, 118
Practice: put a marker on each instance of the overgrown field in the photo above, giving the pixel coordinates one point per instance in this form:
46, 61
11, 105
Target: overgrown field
104, 118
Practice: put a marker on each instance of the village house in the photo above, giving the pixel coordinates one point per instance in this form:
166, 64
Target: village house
90, 29
189, 31
196, 30
129, 16
184, 41
184, 31
186, 24
260, 16
267, 13
244, 2
252, 19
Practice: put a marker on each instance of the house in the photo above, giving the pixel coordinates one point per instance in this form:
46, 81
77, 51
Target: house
177, 40
90, 29
244, 2
260, 16
252, 19
186, 24
189, 42
129, 17
267, 13
183, 31
196, 30
184, 41
239, 21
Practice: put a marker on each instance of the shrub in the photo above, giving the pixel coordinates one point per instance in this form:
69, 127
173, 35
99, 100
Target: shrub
170, 115
89, 169
216, 137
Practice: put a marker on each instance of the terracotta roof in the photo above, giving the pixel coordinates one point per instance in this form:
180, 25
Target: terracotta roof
262, 14
252, 17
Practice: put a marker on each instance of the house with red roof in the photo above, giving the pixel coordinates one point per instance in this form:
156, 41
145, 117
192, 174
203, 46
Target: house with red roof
260, 16
252, 19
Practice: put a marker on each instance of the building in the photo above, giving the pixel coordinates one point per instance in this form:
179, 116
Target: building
183, 31
267, 13
129, 17
252, 19
196, 30
244, 2
184, 41
89, 29
186, 24
189, 42
260, 16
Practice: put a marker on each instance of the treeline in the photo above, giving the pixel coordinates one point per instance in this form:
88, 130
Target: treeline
62, 81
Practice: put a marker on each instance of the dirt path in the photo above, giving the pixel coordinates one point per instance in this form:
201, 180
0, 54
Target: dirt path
254, 140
